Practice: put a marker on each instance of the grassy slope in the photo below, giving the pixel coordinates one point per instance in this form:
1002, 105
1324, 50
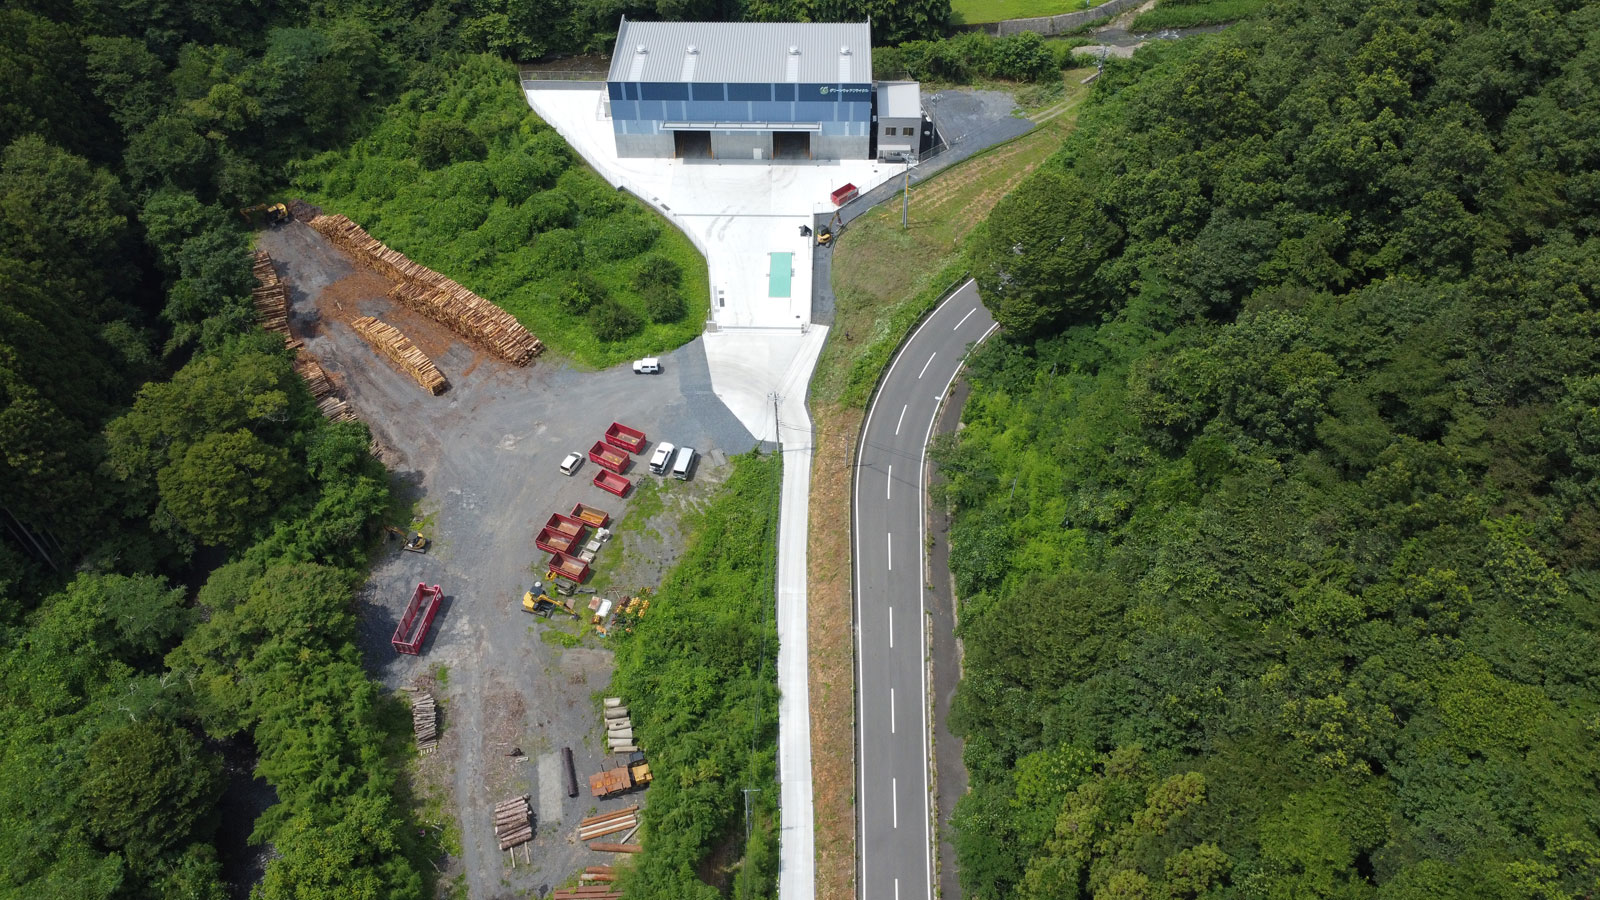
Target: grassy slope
699, 672
449, 219
1190, 15
885, 279
973, 11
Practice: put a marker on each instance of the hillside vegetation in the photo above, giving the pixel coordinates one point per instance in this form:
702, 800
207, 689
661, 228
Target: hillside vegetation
699, 671
463, 177
1276, 506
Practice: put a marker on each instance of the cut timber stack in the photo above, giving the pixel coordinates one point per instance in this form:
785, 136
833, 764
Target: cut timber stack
601, 874
425, 722
597, 892
388, 340
434, 295
322, 390
513, 822
616, 848
271, 300
608, 823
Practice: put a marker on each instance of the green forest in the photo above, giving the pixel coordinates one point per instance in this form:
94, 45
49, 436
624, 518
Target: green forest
699, 670
181, 533
1276, 503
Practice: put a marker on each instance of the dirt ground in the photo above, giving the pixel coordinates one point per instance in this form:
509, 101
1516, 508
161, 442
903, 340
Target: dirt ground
479, 463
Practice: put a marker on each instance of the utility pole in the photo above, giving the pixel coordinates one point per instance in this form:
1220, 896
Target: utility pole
777, 434
905, 196
747, 793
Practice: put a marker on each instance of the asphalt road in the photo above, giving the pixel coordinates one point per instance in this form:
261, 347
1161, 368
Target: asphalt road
890, 569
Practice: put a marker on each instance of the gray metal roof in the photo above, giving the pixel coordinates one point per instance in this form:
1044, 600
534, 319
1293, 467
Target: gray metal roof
743, 52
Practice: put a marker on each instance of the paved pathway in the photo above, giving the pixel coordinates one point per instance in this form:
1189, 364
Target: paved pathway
894, 850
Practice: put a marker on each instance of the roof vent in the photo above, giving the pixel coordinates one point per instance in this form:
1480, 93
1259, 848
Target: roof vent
640, 50
793, 50
844, 51
693, 49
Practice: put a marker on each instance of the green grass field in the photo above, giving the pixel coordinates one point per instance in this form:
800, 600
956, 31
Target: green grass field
1190, 15
971, 12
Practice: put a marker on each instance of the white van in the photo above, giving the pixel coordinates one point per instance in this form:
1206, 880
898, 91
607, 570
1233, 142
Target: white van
683, 465
650, 365
661, 459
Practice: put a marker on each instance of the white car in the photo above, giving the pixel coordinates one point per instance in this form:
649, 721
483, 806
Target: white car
650, 365
571, 463
662, 458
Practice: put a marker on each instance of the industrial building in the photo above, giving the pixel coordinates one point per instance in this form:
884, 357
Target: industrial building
746, 91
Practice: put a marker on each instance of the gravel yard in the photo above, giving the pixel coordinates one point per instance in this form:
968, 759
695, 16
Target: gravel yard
480, 464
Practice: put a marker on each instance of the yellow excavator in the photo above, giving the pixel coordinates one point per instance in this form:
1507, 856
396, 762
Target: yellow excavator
276, 213
825, 233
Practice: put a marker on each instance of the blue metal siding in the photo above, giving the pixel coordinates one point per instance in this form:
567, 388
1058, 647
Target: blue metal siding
656, 102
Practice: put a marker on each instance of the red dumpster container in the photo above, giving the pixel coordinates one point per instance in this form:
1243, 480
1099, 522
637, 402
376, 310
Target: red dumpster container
606, 456
611, 481
590, 516
844, 195
629, 439
414, 625
570, 568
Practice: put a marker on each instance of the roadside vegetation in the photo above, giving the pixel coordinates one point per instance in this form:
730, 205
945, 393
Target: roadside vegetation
1192, 13
884, 279
1275, 505
973, 12
463, 177
699, 672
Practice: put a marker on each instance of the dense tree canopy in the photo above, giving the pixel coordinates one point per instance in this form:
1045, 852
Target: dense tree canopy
1301, 440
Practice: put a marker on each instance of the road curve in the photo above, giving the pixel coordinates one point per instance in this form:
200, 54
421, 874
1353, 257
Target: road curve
894, 825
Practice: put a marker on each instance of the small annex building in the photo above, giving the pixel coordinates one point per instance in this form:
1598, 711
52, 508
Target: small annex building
742, 90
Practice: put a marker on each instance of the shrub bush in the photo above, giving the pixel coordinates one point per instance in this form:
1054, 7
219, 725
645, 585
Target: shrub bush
663, 302
556, 251
441, 142
622, 237
580, 293
656, 269
549, 210
611, 321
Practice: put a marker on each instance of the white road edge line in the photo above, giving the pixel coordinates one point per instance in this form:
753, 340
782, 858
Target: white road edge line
922, 611
894, 800
926, 365
891, 628
866, 429
891, 710
888, 485
902, 419
964, 319
888, 550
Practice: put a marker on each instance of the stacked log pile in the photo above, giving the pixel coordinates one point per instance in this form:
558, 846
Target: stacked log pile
602, 874
333, 407
434, 295
271, 299
425, 722
388, 340
513, 822
588, 892
593, 827
604, 847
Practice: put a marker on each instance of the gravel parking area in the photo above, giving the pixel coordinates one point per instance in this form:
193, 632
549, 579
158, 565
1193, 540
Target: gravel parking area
480, 462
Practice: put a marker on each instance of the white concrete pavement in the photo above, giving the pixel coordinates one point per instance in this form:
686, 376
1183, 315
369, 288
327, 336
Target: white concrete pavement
761, 351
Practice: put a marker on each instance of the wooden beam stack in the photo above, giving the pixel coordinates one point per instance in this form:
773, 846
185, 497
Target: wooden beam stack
333, 407
271, 299
425, 722
604, 847
388, 340
513, 822
434, 295
590, 892
602, 874
608, 823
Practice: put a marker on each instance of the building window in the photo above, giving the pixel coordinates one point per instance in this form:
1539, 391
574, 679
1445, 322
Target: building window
908, 131
888, 131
